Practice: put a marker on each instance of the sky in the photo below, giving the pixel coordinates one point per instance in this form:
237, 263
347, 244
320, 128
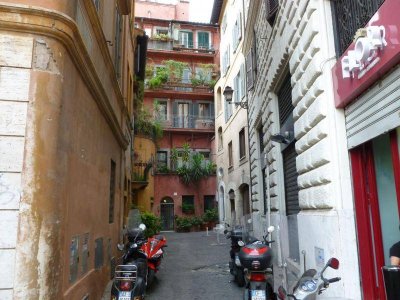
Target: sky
200, 10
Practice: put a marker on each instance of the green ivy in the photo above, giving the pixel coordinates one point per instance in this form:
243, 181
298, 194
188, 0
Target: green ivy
152, 222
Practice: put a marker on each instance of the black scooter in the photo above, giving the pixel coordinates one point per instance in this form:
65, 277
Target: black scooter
235, 267
130, 278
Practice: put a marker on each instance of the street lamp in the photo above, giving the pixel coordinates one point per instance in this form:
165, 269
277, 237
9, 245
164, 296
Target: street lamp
285, 138
228, 94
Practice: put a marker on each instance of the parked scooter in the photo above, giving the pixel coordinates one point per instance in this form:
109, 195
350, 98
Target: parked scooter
154, 250
130, 278
256, 259
235, 267
310, 284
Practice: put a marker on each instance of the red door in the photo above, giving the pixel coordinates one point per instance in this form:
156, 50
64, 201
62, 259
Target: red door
374, 205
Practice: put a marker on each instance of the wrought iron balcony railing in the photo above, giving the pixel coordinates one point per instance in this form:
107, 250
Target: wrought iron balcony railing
157, 44
187, 121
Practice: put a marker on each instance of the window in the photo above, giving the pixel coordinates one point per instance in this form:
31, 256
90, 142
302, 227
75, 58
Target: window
186, 75
112, 193
186, 39
271, 8
117, 44
188, 204
230, 155
220, 139
223, 25
249, 70
237, 32
228, 111
207, 157
209, 202
242, 144
98, 253
289, 167
163, 31
226, 60
162, 162
204, 110
161, 110
203, 40
97, 4
238, 87
348, 17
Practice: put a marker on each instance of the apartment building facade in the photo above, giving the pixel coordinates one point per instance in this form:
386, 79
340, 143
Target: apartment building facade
231, 123
306, 192
65, 144
181, 69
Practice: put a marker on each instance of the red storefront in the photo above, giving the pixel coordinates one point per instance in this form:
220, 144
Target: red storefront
367, 86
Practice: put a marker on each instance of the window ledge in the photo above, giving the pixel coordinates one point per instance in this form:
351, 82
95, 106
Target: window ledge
243, 160
230, 169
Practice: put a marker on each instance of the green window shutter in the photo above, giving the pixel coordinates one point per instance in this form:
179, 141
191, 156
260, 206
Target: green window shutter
212, 110
175, 113
203, 40
190, 39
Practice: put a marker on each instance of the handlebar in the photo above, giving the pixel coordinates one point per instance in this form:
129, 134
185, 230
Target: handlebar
334, 279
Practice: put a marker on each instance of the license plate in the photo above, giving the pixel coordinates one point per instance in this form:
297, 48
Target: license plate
258, 295
124, 296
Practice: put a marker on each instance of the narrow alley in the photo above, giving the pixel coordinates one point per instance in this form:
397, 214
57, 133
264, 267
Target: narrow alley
195, 267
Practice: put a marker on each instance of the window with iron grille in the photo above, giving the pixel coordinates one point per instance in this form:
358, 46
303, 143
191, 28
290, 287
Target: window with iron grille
348, 17
271, 7
112, 193
188, 204
242, 144
230, 155
98, 253
162, 161
117, 53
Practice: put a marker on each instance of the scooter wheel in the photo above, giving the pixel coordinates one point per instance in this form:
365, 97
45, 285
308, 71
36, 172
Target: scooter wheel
240, 277
150, 277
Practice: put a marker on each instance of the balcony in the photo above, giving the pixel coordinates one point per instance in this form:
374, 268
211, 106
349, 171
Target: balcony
140, 174
169, 45
188, 122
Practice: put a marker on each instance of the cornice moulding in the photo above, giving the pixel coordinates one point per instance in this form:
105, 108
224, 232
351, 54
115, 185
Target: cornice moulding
53, 24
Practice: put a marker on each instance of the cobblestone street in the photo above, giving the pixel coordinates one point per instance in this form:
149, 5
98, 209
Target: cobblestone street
195, 267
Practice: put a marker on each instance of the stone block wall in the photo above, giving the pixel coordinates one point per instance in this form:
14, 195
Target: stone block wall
301, 42
15, 65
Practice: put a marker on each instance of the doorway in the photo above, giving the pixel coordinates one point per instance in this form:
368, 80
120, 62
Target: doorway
376, 179
167, 214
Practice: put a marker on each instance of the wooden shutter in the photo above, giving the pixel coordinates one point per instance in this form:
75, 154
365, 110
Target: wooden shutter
285, 101
190, 39
175, 113
249, 70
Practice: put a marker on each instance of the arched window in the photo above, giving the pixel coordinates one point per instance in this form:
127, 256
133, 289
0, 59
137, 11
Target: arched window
220, 139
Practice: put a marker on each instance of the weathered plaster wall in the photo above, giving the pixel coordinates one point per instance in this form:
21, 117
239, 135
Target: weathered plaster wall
62, 120
301, 42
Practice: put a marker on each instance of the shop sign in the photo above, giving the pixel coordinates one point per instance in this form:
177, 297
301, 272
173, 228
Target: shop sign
375, 51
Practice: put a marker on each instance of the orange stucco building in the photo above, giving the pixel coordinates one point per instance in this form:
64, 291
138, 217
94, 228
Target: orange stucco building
66, 86
184, 104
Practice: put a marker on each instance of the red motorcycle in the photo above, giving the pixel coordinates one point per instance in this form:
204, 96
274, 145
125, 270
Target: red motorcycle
154, 250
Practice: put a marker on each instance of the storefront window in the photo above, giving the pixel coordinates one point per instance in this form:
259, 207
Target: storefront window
386, 190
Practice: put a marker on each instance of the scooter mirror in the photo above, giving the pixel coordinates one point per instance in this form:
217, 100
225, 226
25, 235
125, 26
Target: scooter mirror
120, 247
249, 221
271, 229
333, 263
240, 243
281, 293
142, 227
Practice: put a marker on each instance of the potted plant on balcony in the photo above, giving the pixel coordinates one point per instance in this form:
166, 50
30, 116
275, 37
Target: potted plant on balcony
210, 217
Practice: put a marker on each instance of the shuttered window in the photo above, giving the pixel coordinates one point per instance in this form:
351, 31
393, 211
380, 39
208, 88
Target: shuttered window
289, 153
249, 70
203, 40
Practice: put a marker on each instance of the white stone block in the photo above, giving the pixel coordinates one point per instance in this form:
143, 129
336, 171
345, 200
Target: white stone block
10, 190
317, 197
7, 263
13, 118
16, 51
318, 155
8, 228
6, 294
319, 176
14, 84
11, 154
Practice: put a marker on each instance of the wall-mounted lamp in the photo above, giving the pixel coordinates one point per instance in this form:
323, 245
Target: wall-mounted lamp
285, 138
228, 94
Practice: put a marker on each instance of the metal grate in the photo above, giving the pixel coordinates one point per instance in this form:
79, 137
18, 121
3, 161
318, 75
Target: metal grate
285, 100
350, 16
290, 173
98, 253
